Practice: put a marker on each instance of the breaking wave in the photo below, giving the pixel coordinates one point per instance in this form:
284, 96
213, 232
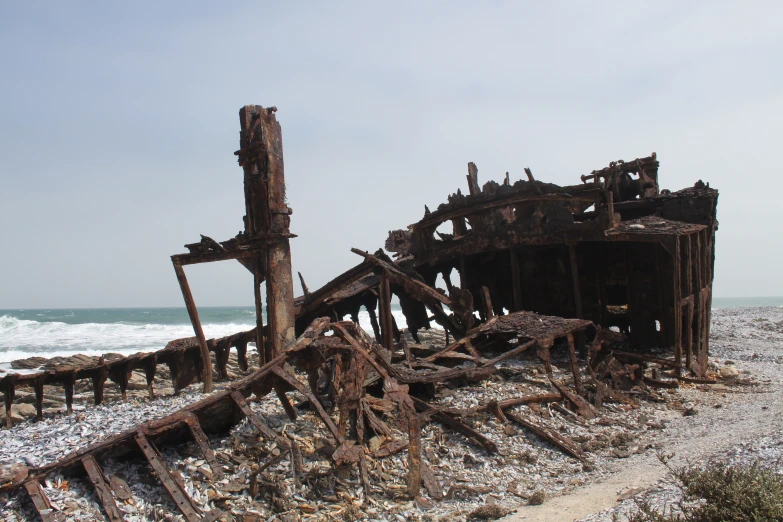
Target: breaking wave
24, 338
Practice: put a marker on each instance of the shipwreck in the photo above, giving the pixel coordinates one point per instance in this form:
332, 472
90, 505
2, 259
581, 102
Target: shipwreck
612, 276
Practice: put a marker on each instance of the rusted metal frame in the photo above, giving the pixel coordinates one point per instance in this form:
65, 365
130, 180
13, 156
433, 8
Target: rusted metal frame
181, 499
455, 424
314, 402
548, 435
314, 330
289, 409
203, 443
257, 423
418, 290
543, 347
511, 353
206, 360
384, 307
399, 394
582, 406
486, 299
102, 488
40, 501
677, 309
518, 401
569, 193
241, 254
516, 280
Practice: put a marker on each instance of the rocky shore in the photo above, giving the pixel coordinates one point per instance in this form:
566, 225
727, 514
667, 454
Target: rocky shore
745, 358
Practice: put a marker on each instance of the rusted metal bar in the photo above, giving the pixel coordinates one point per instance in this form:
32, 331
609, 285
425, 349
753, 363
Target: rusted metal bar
203, 443
206, 360
265, 430
384, 304
181, 499
455, 424
40, 501
102, 489
315, 403
548, 435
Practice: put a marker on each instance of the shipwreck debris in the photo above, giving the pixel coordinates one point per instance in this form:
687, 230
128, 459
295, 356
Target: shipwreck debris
541, 277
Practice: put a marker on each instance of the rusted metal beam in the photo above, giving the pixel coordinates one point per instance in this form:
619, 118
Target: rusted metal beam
181, 499
203, 443
102, 489
40, 501
384, 304
190, 304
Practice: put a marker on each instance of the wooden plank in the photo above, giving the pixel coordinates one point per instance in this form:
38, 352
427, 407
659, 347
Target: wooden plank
206, 360
102, 488
203, 443
183, 501
40, 501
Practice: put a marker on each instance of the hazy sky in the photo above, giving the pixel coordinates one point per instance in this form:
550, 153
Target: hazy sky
119, 121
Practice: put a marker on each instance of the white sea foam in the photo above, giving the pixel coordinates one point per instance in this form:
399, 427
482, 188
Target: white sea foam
21, 338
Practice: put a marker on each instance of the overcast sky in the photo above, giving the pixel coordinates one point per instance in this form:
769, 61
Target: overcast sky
118, 124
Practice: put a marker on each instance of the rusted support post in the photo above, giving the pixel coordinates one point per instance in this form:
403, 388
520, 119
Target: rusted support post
487, 299
384, 303
38, 384
261, 156
676, 303
206, 360
516, 280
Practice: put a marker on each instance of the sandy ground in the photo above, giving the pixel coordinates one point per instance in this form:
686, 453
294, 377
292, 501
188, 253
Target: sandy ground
744, 417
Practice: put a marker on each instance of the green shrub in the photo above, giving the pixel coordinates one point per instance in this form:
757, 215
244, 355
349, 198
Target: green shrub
722, 492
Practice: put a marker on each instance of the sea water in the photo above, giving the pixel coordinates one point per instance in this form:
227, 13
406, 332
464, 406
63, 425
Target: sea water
97, 331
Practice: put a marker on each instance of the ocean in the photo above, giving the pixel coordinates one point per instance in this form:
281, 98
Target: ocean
97, 331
